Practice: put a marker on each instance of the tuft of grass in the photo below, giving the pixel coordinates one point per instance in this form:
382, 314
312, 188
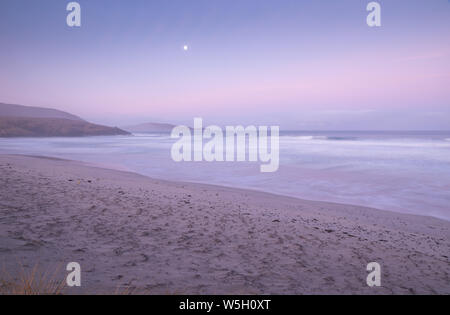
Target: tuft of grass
38, 282
33, 282
125, 291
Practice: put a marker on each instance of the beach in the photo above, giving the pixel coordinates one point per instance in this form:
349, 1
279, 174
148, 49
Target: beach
165, 237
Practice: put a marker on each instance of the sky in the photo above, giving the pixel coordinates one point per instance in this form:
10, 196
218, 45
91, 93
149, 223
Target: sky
305, 65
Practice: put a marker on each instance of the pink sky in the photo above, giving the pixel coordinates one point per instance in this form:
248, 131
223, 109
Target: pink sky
262, 68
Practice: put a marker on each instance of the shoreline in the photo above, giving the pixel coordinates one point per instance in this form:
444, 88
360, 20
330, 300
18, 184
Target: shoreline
127, 229
118, 168
309, 170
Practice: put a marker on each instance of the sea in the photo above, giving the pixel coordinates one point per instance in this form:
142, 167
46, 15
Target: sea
407, 172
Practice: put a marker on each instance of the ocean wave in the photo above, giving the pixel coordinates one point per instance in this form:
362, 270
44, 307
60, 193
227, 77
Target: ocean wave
360, 141
342, 138
311, 138
330, 138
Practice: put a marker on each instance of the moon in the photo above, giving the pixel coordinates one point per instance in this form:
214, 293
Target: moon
185, 47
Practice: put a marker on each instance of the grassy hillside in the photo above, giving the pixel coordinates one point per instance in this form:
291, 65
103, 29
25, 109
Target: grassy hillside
53, 127
10, 110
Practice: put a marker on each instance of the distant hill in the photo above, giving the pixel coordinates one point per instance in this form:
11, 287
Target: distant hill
53, 127
150, 127
10, 110
26, 121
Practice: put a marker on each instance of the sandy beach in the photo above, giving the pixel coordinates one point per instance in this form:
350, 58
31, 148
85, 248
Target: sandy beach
162, 237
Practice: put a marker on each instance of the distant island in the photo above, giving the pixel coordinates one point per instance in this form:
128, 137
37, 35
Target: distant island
150, 128
26, 121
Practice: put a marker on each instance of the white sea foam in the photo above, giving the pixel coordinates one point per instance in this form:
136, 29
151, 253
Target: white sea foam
311, 138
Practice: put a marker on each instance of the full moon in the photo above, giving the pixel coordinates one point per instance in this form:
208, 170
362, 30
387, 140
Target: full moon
185, 48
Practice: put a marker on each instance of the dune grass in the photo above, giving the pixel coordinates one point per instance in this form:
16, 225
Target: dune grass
31, 282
